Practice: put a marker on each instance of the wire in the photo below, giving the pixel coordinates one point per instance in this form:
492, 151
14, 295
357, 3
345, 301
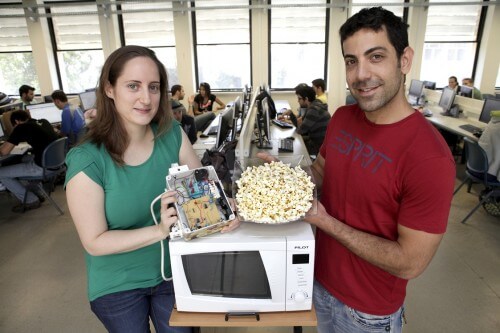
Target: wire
151, 207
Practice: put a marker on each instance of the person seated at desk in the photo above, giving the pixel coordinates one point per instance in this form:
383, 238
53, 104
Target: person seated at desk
178, 94
319, 87
38, 137
72, 118
204, 101
187, 122
27, 96
476, 94
202, 106
490, 141
453, 83
312, 126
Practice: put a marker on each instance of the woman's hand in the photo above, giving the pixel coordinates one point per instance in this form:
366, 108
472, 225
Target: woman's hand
168, 212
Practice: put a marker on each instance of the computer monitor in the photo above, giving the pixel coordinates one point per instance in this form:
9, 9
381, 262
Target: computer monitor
415, 92
446, 100
224, 126
490, 104
237, 106
263, 125
466, 91
48, 99
87, 100
266, 120
430, 85
45, 111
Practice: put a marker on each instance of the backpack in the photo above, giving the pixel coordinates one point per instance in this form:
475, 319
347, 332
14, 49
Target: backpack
223, 162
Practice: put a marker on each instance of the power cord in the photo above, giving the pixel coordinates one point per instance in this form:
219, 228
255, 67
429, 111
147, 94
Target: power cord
175, 168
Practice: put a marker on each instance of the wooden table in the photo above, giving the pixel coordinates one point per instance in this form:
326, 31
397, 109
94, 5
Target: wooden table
295, 319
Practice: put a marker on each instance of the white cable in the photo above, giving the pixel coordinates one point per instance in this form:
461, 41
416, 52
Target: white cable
161, 242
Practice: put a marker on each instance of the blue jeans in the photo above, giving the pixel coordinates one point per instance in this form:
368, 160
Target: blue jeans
129, 311
8, 175
336, 317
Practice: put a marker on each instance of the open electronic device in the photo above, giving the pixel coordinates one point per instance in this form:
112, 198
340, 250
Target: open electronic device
202, 206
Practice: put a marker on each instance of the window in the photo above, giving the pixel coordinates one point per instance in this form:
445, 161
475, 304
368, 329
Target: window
397, 10
17, 66
222, 38
450, 42
151, 25
78, 44
297, 43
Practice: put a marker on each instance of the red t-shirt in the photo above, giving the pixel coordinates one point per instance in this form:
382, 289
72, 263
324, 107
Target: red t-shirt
376, 177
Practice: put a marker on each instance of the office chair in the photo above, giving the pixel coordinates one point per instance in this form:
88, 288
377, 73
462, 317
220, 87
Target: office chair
477, 172
53, 165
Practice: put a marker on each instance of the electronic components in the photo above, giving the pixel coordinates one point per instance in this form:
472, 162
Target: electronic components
202, 206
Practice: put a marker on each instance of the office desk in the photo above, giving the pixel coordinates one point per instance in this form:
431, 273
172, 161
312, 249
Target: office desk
295, 319
277, 133
452, 124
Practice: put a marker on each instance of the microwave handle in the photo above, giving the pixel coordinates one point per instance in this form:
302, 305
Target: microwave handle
242, 314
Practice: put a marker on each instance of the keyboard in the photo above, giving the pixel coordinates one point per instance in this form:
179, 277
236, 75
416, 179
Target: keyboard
286, 145
282, 124
470, 128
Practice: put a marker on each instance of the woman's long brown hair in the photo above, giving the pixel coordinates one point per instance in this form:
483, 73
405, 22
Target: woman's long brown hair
107, 128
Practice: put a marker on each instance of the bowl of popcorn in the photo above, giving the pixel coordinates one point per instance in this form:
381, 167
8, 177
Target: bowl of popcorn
276, 192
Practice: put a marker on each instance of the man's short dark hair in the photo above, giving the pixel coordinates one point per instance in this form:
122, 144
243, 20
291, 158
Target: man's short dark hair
175, 88
305, 91
19, 115
24, 89
60, 95
319, 83
376, 18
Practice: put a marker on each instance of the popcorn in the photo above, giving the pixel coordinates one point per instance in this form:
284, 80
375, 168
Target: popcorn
274, 193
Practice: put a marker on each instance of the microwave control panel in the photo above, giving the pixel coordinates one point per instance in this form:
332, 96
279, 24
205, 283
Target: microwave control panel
300, 277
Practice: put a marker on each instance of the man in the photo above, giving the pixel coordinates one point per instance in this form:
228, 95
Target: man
187, 122
27, 96
72, 118
312, 125
38, 137
453, 83
319, 87
387, 179
476, 94
178, 94
490, 141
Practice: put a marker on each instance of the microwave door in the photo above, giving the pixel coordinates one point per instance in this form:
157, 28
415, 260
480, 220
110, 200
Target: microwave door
234, 274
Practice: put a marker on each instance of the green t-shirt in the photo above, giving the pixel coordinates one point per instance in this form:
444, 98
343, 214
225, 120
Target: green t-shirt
129, 191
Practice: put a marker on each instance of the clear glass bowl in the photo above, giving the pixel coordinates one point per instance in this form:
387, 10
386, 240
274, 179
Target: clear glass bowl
292, 161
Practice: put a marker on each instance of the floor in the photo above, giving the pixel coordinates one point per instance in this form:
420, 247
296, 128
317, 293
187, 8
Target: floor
42, 275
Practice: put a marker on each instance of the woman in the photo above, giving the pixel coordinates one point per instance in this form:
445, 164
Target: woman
204, 101
113, 177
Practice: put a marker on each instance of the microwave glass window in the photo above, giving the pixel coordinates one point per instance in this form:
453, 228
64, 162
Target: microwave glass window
300, 259
238, 274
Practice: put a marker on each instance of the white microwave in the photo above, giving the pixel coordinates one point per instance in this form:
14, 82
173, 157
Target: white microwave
255, 268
